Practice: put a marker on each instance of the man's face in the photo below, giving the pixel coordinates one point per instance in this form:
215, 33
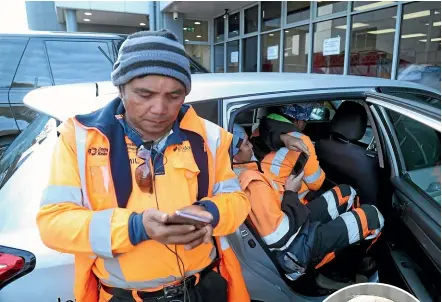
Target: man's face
152, 103
245, 151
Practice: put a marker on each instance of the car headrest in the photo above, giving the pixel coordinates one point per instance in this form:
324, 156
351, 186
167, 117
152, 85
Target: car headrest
350, 121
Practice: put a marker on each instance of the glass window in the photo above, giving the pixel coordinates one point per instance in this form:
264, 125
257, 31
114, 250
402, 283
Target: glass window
364, 5
296, 41
33, 70
270, 52
329, 46
298, 11
372, 43
197, 31
420, 44
250, 55
11, 50
234, 25
271, 15
200, 53
207, 110
219, 29
86, 61
219, 58
331, 7
413, 96
233, 56
251, 20
420, 148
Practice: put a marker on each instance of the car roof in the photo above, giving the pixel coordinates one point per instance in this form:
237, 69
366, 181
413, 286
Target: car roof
60, 34
65, 101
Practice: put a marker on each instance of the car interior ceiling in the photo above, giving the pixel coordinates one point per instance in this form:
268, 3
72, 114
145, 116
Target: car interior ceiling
347, 152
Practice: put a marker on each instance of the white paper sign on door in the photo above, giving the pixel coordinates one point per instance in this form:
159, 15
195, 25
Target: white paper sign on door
272, 52
331, 46
234, 57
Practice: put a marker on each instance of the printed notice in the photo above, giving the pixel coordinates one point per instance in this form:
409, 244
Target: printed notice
272, 52
234, 57
332, 46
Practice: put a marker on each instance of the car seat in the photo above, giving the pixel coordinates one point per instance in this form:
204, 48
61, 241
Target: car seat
345, 162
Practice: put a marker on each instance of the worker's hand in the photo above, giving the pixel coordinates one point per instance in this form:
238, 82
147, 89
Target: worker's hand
294, 183
207, 236
294, 143
157, 228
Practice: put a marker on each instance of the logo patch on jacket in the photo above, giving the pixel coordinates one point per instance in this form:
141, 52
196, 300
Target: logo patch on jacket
98, 151
180, 148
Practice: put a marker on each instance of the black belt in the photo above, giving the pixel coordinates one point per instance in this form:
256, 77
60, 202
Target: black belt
171, 291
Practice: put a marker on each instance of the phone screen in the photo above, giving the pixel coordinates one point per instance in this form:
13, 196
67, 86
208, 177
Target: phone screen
300, 164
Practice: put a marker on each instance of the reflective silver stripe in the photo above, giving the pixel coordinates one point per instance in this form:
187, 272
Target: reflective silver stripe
224, 243
277, 160
80, 138
331, 204
60, 194
287, 244
314, 177
100, 233
352, 227
302, 195
275, 185
351, 200
295, 134
226, 186
381, 225
280, 232
116, 277
213, 134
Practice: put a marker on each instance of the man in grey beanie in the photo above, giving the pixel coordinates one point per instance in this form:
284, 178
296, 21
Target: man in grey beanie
123, 177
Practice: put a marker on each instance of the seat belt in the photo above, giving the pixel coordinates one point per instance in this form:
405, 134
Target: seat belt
200, 155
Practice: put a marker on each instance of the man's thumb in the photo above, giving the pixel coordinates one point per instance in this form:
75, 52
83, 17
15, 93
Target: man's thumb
157, 216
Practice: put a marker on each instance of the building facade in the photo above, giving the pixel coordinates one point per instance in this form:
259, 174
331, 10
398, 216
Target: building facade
388, 39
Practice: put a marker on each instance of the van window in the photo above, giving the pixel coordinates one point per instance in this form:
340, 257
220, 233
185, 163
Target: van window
79, 61
11, 50
33, 71
207, 110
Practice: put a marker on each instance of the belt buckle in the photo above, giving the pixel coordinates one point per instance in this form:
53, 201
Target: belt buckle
173, 291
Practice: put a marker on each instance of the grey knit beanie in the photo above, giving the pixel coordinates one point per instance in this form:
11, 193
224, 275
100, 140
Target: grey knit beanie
152, 53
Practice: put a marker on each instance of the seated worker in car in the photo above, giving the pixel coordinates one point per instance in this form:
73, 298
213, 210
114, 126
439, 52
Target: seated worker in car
303, 236
277, 161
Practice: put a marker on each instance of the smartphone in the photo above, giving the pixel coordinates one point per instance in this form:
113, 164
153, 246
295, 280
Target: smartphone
181, 217
300, 164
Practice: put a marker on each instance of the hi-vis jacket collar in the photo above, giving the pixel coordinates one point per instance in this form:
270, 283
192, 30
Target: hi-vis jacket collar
106, 122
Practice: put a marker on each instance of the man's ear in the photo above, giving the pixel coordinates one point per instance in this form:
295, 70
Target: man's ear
121, 92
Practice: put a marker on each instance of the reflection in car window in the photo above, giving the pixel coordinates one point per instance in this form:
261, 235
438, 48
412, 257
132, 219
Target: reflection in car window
11, 50
420, 98
34, 69
23, 146
420, 148
86, 62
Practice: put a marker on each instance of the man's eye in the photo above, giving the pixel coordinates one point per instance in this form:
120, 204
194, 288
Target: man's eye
145, 95
174, 96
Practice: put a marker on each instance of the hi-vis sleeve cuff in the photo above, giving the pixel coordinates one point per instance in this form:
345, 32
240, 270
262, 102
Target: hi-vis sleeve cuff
210, 207
137, 232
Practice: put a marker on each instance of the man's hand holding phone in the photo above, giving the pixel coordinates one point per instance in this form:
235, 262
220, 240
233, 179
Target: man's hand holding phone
179, 228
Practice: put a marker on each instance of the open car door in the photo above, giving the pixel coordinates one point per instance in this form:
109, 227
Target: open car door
410, 132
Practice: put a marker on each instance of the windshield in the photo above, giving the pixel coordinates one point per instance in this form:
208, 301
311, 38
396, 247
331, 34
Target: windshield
23, 146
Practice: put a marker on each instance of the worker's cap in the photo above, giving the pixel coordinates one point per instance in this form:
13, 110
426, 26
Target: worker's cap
152, 53
239, 134
300, 112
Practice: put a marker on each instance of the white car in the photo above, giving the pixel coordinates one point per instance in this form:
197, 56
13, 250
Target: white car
401, 141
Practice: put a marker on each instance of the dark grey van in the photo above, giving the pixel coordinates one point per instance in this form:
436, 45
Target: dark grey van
36, 59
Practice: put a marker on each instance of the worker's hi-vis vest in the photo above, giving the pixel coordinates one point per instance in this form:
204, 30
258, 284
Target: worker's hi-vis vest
279, 165
91, 194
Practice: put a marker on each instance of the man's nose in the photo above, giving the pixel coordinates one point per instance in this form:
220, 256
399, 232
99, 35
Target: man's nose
158, 107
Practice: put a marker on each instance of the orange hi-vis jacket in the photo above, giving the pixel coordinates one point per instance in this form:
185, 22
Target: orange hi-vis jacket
279, 164
92, 194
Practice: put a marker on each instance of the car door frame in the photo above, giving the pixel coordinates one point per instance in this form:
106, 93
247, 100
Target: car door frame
414, 208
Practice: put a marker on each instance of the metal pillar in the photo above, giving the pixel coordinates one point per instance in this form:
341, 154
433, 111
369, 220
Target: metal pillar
71, 20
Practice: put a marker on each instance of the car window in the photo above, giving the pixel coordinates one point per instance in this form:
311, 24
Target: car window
33, 71
207, 110
420, 147
79, 61
11, 50
414, 96
23, 146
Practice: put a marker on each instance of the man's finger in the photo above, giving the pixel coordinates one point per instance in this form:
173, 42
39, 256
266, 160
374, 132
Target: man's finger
157, 216
194, 244
300, 176
187, 238
208, 235
178, 229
